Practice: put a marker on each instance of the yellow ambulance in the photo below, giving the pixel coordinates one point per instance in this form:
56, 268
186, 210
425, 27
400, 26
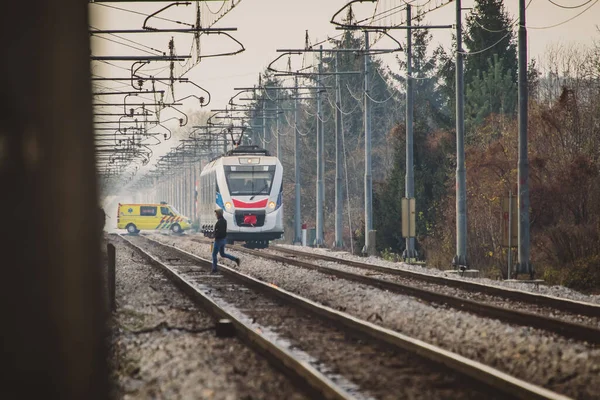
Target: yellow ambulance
135, 217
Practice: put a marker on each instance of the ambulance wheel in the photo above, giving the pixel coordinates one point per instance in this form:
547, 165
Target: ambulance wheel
176, 228
131, 228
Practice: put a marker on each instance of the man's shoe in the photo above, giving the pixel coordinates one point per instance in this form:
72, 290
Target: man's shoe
237, 261
214, 271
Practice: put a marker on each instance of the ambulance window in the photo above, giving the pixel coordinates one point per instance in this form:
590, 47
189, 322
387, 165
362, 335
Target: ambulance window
149, 211
165, 211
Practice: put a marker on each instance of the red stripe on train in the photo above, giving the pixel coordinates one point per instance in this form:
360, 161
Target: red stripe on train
256, 204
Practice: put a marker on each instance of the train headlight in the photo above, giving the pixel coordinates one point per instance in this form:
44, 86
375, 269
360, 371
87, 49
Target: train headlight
228, 206
272, 205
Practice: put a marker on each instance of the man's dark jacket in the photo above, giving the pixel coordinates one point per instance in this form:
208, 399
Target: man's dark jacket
220, 229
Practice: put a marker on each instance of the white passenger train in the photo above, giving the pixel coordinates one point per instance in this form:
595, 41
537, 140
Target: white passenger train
247, 183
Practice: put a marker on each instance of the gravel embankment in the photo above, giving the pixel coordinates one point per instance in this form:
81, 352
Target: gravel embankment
560, 365
557, 291
360, 366
164, 347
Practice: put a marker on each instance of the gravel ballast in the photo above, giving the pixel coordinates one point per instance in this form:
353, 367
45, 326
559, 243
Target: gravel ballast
163, 346
360, 366
560, 365
557, 291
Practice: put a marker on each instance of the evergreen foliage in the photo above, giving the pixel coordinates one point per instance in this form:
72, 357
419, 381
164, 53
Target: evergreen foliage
490, 65
488, 35
491, 92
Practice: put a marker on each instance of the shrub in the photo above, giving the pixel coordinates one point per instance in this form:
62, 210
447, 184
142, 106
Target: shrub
584, 274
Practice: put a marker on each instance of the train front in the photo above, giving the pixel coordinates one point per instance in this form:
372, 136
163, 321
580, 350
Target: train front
253, 199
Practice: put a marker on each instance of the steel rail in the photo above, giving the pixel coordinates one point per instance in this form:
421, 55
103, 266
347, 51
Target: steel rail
482, 373
567, 329
573, 306
282, 359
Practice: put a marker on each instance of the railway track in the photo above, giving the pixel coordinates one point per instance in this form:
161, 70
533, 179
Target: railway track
536, 315
556, 303
372, 358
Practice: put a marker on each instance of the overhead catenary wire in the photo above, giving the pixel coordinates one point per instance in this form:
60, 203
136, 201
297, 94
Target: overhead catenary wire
570, 7
144, 14
130, 46
403, 8
126, 39
357, 98
215, 12
508, 33
528, 27
141, 74
512, 23
471, 53
335, 106
564, 22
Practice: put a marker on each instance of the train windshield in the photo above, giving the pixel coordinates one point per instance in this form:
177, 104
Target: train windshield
249, 181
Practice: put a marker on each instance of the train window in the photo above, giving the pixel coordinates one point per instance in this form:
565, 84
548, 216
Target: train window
248, 183
147, 211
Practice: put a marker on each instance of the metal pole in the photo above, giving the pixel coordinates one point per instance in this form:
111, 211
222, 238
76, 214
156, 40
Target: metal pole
264, 118
509, 233
409, 252
368, 249
278, 142
339, 208
460, 259
524, 264
298, 216
195, 204
186, 192
320, 150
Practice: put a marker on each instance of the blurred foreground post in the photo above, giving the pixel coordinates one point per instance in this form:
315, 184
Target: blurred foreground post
53, 316
111, 277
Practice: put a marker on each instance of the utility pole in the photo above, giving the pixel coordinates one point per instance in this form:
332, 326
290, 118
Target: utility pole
409, 251
460, 259
264, 125
524, 264
369, 247
264, 119
320, 152
297, 216
278, 142
338, 159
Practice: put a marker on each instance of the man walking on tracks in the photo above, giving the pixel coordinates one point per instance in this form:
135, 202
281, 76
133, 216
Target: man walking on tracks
220, 235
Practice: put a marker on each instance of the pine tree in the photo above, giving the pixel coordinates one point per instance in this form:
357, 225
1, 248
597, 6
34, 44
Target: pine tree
491, 92
489, 36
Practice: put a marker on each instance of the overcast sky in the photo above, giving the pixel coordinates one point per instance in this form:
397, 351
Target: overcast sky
266, 25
